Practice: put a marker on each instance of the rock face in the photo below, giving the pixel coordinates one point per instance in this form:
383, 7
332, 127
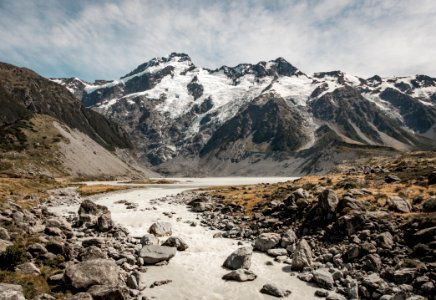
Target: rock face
176, 242
239, 259
160, 229
240, 275
231, 120
92, 272
266, 241
273, 290
152, 254
302, 256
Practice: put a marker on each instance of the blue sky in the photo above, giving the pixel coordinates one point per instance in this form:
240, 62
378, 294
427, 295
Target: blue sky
107, 39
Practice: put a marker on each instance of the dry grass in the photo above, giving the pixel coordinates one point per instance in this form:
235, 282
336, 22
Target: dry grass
150, 181
88, 190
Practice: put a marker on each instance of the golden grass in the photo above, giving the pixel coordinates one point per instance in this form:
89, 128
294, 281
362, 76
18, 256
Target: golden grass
88, 190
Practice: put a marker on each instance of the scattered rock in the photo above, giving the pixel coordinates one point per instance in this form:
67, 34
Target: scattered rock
328, 200
273, 290
277, 252
11, 292
428, 206
399, 204
152, 254
240, 275
392, 178
149, 239
176, 242
81, 296
302, 256
159, 283
106, 292
4, 234
267, 241
323, 279
432, 178
239, 259
288, 238
321, 293
160, 229
28, 268
92, 272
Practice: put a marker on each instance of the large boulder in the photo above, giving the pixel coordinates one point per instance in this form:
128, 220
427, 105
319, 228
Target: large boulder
328, 200
11, 292
273, 290
92, 272
200, 204
160, 229
399, 204
302, 256
288, 238
267, 241
239, 259
149, 239
89, 212
323, 279
104, 222
176, 242
240, 275
152, 254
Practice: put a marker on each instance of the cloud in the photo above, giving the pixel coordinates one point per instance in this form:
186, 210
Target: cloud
106, 39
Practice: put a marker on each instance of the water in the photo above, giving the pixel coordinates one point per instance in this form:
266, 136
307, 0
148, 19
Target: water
196, 273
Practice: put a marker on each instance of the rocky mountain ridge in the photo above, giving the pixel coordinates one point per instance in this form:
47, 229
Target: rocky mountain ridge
185, 119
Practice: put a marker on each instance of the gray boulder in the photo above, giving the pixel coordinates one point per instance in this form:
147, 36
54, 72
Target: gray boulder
104, 222
152, 254
328, 200
89, 212
149, 239
92, 272
399, 204
273, 290
277, 252
288, 238
323, 279
160, 229
267, 241
302, 256
11, 292
239, 259
91, 252
240, 275
385, 240
176, 242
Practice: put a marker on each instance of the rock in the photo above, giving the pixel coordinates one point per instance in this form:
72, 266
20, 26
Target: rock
328, 200
28, 268
44, 297
323, 279
153, 254
54, 231
399, 204
266, 241
132, 282
91, 252
432, 178
81, 296
92, 272
240, 275
106, 292
36, 250
321, 293
302, 256
160, 229
93, 242
373, 281
89, 212
200, 204
428, 206
277, 252
176, 242
4, 234
149, 239
372, 262
335, 297
104, 222
11, 292
160, 282
4, 245
392, 178
56, 279
272, 290
404, 276
239, 259
288, 238
385, 240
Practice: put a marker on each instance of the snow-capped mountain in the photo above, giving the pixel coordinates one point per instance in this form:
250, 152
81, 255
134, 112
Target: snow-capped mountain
266, 118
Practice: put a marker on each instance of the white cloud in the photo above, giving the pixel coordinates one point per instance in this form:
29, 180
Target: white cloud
104, 39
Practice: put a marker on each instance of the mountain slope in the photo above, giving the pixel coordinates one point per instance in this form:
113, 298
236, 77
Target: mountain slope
41, 124
190, 120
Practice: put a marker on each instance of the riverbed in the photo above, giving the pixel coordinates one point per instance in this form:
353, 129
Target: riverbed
195, 273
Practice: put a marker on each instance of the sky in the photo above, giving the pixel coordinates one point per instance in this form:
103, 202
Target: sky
107, 39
